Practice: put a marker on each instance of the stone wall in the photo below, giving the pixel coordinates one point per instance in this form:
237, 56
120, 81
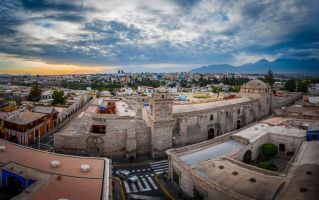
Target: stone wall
190, 129
278, 102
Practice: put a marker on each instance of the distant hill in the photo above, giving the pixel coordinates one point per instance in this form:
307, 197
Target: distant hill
310, 66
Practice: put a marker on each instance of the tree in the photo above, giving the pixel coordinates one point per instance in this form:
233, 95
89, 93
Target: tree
290, 85
58, 97
269, 150
266, 165
302, 86
269, 78
35, 93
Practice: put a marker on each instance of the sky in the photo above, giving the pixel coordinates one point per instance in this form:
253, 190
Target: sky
101, 36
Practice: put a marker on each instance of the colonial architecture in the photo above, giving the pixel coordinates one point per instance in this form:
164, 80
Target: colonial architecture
156, 124
225, 167
27, 127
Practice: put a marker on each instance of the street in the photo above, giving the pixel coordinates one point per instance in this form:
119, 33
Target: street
146, 187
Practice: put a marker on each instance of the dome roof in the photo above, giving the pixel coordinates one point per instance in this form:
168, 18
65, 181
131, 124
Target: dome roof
256, 84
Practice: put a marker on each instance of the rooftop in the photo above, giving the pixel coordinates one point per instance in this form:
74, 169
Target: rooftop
180, 109
85, 185
80, 124
214, 151
240, 185
24, 118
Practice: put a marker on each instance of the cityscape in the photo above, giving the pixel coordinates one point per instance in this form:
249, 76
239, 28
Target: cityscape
156, 100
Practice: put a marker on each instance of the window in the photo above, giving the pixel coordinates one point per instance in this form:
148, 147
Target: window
226, 113
211, 117
282, 147
163, 96
238, 111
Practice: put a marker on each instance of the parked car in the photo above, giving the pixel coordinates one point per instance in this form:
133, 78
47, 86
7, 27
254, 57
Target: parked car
126, 175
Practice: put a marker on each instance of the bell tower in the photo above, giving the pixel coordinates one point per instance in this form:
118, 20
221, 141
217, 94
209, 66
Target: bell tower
162, 122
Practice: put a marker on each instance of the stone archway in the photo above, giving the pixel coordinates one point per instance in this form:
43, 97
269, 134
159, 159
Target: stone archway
211, 134
238, 124
247, 157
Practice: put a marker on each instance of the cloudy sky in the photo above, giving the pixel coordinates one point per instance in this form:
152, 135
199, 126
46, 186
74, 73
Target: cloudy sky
90, 36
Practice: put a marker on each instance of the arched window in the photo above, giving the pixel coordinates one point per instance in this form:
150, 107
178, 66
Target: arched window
211, 117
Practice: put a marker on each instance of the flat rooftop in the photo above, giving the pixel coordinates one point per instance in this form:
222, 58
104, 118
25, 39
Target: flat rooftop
123, 109
72, 182
240, 186
180, 109
259, 130
24, 118
212, 152
80, 124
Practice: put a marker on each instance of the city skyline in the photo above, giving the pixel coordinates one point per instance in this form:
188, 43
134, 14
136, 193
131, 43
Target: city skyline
58, 37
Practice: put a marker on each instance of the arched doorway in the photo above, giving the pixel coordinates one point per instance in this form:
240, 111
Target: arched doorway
14, 186
247, 157
238, 124
211, 134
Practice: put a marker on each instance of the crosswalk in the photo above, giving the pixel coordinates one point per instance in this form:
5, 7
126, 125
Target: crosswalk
143, 184
159, 167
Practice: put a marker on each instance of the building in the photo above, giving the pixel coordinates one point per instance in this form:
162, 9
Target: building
313, 88
26, 127
27, 173
155, 124
223, 168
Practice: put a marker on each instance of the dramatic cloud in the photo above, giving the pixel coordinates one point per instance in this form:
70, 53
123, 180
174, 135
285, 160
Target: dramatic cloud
137, 33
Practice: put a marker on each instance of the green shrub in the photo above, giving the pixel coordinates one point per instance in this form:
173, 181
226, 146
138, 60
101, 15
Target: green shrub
266, 165
269, 150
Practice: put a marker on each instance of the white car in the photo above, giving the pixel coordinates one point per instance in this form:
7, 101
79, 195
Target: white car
125, 174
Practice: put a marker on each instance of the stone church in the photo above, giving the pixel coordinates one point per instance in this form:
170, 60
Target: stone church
163, 125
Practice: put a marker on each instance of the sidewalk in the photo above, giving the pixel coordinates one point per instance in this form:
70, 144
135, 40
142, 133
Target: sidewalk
172, 192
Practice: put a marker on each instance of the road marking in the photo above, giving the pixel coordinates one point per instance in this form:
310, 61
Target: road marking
141, 176
162, 161
127, 187
157, 164
148, 169
152, 183
147, 186
162, 166
143, 170
134, 187
133, 170
160, 170
140, 185
142, 197
138, 170
152, 174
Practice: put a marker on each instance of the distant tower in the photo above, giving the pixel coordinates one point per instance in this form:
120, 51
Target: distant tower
162, 122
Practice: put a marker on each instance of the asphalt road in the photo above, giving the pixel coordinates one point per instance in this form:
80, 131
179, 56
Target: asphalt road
146, 187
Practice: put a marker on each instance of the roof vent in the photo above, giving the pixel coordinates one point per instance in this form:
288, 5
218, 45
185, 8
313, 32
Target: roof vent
85, 167
55, 164
2, 148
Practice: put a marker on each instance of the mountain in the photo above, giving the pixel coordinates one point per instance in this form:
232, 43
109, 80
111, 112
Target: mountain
283, 65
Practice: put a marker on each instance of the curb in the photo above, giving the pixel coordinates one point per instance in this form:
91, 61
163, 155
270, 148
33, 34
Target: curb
164, 189
122, 191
